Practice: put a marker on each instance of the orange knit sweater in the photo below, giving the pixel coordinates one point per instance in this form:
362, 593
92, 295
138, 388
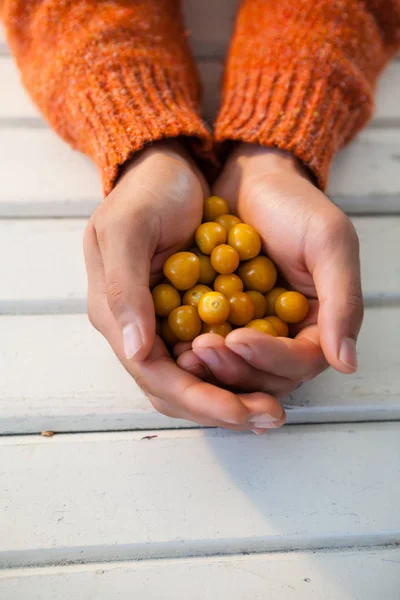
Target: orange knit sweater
113, 75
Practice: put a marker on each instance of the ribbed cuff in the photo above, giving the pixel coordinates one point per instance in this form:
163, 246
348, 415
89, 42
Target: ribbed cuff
128, 104
292, 109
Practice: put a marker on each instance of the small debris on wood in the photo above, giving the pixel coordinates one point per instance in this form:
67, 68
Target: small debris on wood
149, 437
47, 433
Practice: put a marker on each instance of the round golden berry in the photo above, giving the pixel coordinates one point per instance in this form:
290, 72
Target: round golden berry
224, 259
258, 274
281, 327
241, 309
228, 221
213, 308
263, 326
291, 307
245, 239
222, 329
192, 296
185, 323
228, 284
182, 270
165, 298
207, 271
259, 302
213, 207
271, 298
209, 235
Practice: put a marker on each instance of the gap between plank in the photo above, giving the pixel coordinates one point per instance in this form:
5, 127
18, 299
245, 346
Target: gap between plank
38, 557
67, 425
54, 570
72, 306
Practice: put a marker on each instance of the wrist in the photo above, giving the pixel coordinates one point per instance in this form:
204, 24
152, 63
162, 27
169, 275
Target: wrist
269, 160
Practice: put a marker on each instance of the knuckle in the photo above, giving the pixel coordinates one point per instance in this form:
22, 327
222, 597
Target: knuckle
340, 228
236, 414
106, 225
94, 315
161, 407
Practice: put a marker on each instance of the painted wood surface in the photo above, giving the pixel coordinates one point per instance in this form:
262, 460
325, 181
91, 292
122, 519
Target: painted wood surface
334, 575
57, 373
365, 177
113, 496
43, 176
46, 273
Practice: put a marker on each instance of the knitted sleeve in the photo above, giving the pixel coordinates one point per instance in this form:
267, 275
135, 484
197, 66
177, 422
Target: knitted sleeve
300, 74
108, 76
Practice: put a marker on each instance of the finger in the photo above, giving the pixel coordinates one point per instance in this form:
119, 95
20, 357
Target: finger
126, 248
161, 377
185, 395
337, 280
300, 359
192, 363
181, 347
232, 370
169, 411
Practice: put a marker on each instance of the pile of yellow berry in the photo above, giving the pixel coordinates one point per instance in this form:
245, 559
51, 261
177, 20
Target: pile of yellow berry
204, 293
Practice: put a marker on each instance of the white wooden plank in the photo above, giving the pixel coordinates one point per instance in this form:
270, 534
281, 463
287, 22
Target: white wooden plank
46, 273
75, 383
388, 93
348, 575
41, 175
102, 497
211, 72
14, 100
365, 177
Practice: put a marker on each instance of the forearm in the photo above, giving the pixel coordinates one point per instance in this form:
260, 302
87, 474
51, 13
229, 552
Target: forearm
300, 75
108, 76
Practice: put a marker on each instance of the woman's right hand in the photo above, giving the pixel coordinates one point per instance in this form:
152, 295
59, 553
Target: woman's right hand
153, 212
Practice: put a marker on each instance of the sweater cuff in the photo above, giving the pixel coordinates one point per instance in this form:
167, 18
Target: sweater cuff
294, 110
128, 104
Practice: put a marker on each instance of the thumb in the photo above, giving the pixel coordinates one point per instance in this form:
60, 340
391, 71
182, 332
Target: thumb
126, 252
338, 283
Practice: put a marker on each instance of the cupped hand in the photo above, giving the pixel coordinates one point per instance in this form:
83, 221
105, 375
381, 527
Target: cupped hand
153, 212
316, 249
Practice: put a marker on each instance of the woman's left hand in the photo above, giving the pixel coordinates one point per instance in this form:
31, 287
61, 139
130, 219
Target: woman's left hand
316, 250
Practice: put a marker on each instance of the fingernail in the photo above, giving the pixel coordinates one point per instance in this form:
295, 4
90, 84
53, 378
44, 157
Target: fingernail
243, 351
265, 420
258, 431
132, 340
348, 353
